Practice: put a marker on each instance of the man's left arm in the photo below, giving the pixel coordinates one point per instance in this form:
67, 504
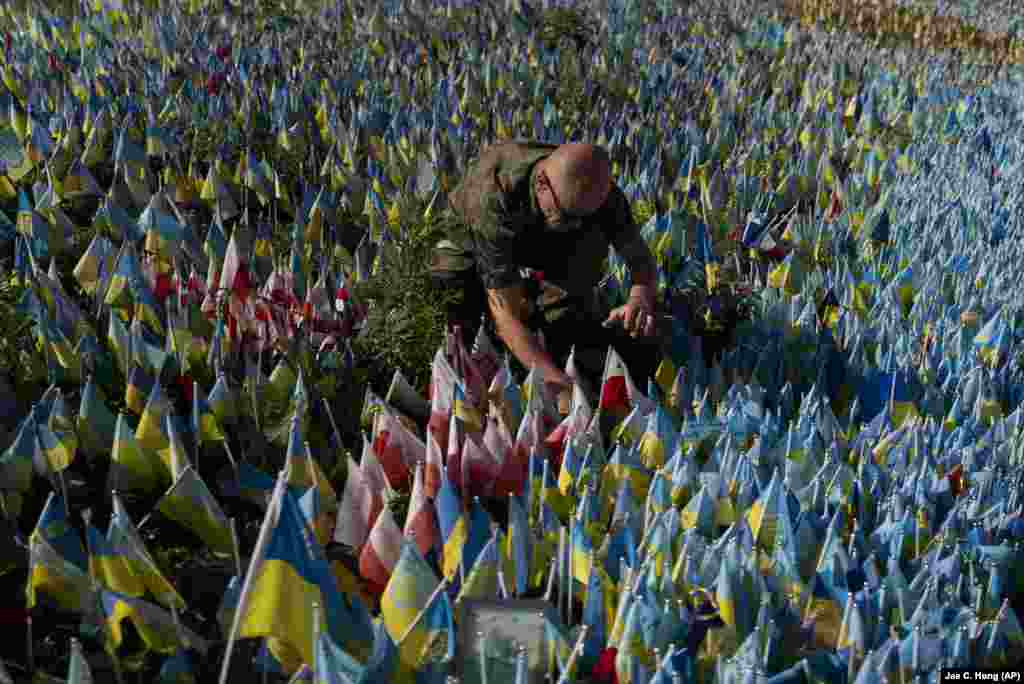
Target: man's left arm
642, 269
626, 239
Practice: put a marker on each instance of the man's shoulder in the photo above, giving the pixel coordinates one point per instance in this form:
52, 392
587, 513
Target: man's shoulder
511, 151
502, 165
492, 179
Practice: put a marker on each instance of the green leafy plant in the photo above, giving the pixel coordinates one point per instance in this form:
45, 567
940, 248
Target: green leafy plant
407, 316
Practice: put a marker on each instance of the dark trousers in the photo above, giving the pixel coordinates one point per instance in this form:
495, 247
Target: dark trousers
591, 339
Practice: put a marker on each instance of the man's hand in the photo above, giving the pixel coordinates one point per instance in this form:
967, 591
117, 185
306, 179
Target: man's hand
509, 308
637, 315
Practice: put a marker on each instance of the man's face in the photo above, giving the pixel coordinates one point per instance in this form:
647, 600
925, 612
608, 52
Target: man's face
557, 216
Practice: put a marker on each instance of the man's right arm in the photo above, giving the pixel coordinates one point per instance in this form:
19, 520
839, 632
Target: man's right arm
508, 307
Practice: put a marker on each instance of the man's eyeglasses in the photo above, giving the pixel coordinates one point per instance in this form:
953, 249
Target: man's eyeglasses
567, 220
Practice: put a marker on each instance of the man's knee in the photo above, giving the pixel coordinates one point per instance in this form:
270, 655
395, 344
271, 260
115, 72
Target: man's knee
453, 274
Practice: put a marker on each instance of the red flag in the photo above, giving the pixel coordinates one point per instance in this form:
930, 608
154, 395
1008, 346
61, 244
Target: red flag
376, 484
498, 441
835, 208
196, 286
453, 460
432, 470
956, 481
480, 467
443, 380
186, 383
514, 469
234, 277
604, 671
163, 287
358, 508
465, 368
420, 525
485, 356
380, 553
555, 441
614, 397
397, 449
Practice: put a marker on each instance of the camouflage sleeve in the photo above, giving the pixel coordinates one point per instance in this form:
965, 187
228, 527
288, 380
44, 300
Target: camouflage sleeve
495, 265
494, 237
624, 235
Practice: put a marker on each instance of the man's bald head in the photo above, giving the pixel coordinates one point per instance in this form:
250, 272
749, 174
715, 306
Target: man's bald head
580, 175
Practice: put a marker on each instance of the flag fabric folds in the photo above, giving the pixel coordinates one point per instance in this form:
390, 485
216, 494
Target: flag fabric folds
287, 575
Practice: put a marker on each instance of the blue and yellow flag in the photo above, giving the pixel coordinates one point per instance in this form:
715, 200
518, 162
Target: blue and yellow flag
287, 575
412, 589
582, 550
517, 547
120, 343
57, 449
127, 272
706, 255
482, 579
468, 414
190, 503
176, 670
454, 526
204, 423
157, 628
222, 401
123, 539
16, 462
151, 434
57, 560
334, 665
479, 533
109, 567
132, 468
95, 265
96, 424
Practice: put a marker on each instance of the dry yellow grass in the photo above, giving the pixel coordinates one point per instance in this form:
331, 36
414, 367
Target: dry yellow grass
892, 24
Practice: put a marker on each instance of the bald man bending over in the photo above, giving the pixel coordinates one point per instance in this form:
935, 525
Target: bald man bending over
540, 219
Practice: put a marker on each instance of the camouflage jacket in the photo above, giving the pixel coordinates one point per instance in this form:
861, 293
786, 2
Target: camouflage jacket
504, 229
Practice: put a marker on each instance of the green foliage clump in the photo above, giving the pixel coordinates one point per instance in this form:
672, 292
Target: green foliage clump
567, 27
17, 362
406, 321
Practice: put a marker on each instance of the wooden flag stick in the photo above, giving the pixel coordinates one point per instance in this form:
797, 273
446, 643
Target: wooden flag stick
30, 652
231, 458
235, 548
150, 514
64, 493
568, 576
334, 425
576, 650
261, 545
442, 585
559, 568
542, 495
198, 437
316, 635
